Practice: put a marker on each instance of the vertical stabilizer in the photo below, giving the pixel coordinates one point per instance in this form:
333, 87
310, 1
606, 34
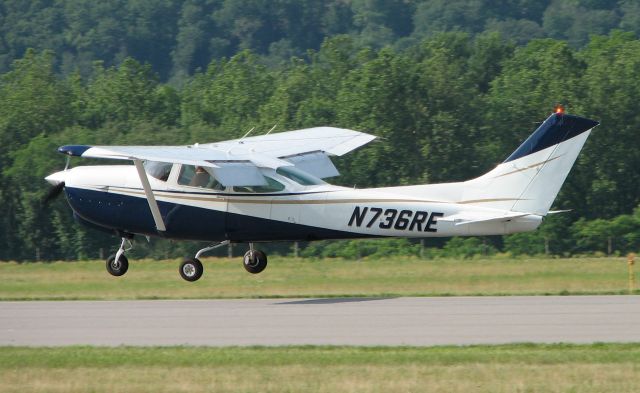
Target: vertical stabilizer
530, 178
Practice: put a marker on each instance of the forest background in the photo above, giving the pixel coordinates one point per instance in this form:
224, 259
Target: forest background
451, 87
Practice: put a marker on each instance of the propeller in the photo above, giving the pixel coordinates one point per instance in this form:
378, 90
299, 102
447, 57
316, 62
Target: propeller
58, 184
53, 193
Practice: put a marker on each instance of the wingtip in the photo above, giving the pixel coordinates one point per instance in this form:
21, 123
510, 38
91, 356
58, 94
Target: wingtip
73, 150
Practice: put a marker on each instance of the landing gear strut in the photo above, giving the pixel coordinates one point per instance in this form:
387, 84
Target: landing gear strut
118, 264
254, 261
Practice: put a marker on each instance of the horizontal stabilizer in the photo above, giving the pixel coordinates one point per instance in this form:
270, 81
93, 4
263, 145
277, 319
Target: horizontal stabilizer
472, 218
558, 211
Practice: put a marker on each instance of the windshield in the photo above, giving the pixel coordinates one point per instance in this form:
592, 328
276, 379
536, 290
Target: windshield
159, 170
299, 176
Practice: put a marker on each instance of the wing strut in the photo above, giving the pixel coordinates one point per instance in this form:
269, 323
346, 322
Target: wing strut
153, 205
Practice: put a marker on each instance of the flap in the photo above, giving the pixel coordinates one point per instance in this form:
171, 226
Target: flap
316, 163
237, 173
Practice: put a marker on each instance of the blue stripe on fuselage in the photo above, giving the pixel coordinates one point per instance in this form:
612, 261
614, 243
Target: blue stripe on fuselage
132, 215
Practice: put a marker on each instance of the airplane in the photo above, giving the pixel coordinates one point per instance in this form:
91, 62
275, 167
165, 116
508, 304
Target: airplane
271, 188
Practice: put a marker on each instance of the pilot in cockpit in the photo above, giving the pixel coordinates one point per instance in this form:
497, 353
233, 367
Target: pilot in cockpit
201, 178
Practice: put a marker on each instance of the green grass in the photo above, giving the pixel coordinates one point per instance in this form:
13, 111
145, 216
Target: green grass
289, 277
504, 368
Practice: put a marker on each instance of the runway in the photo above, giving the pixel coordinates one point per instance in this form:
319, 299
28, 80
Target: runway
346, 321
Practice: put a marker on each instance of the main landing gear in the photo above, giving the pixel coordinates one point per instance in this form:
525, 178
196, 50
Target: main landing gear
254, 261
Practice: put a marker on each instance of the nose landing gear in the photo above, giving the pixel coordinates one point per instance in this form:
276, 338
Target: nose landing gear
118, 264
117, 267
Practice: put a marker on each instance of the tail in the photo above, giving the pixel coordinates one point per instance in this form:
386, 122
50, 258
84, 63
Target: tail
530, 178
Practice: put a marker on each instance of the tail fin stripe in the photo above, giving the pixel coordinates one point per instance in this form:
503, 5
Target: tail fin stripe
556, 129
530, 166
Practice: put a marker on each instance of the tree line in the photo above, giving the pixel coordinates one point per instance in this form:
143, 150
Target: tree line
447, 108
178, 37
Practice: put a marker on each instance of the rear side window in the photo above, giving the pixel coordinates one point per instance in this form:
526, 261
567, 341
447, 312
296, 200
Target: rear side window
271, 186
158, 170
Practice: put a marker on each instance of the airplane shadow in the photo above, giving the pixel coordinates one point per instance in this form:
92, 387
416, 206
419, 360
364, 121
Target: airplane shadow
335, 300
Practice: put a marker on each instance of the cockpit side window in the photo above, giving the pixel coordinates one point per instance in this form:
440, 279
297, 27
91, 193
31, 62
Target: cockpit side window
197, 176
271, 186
158, 170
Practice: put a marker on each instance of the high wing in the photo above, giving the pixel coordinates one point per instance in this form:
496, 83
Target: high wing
235, 162
331, 140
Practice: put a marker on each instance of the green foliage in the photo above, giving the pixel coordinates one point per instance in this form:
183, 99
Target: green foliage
447, 107
33, 100
179, 38
127, 93
356, 249
459, 247
527, 243
228, 95
612, 63
619, 234
575, 21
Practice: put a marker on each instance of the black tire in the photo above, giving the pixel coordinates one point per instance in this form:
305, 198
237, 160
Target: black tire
191, 269
254, 261
117, 269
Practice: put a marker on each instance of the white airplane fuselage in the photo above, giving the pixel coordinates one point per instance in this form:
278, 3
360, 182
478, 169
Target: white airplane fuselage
111, 197
513, 197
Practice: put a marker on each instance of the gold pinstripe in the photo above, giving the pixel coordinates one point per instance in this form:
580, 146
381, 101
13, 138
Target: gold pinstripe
529, 167
215, 198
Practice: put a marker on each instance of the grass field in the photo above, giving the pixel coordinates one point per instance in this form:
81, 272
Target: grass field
289, 277
597, 368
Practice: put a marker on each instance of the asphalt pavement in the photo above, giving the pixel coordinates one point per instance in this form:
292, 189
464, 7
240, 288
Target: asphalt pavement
340, 321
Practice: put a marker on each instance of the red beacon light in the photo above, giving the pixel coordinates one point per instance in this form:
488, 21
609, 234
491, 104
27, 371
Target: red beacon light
559, 109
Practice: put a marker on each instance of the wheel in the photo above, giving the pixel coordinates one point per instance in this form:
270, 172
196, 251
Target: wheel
255, 261
191, 269
117, 268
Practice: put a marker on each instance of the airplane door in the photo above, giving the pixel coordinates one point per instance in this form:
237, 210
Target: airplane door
248, 213
196, 205
286, 209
